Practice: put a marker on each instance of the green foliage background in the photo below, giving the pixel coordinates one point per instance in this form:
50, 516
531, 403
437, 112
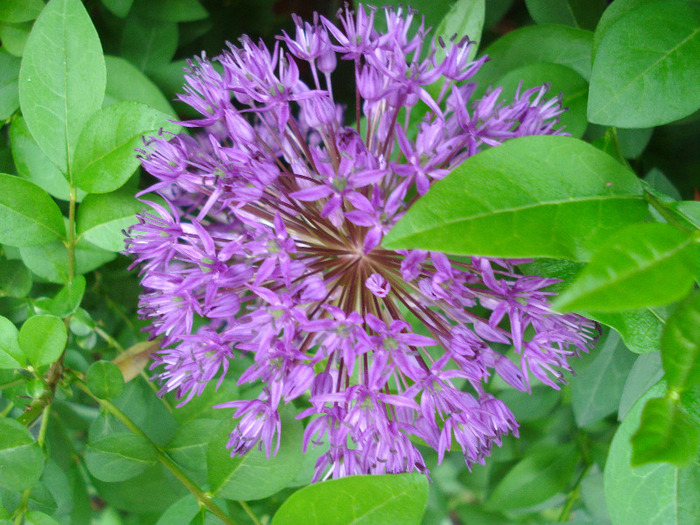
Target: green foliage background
83, 436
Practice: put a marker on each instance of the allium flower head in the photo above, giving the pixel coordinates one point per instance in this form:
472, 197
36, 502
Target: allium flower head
271, 241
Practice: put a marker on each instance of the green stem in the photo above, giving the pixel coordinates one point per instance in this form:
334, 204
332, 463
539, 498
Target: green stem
663, 210
202, 497
249, 512
70, 245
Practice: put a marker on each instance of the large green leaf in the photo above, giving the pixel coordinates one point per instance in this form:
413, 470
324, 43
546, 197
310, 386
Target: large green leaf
189, 444
119, 456
16, 11
50, 261
14, 37
542, 473
148, 45
600, 379
543, 196
62, 79
654, 494
171, 10
666, 434
15, 279
645, 373
105, 157
655, 80
558, 44
612, 14
680, 345
43, 339
28, 216
563, 80
645, 264
253, 476
21, 460
102, 218
640, 329
125, 82
465, 18
360, 500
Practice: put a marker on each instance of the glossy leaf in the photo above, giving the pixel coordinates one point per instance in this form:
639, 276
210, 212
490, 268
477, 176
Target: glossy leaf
62, 79
576, 13
600, 378
28, 216
66, 301
15, 279
632, 269
11, 355
654, 81
43, 339
640, 329
612, 14
105, 380
21, 459
119, 456
148, 45
541, 474
680, 345
125, 82
14, 37
547, 196
105, 158
563, 80
253, 476
9, 94
665, 434
50, 261
102, 218
558, 44
360, 500
656, 494
645, 373
189, 444
171, 10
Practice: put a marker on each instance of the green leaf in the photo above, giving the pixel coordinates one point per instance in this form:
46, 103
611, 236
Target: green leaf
11, 355
105, 157
575, 13
101, 218
43, 339
148, 45
665, 434
21, 460
15, 279
119, 456
640, 329
632, 269
28, 216
34, 165
105, 380
253, 476
688, 210
9, 75
658, 494
563, 80
119, 8
14, 37
50, 261
654, 81
558, 44
360, 500
465, 18
171, 10
189, 444
600, 379
680, 345
645, 373
547, 196
542, 473
612, 14
181, 512
35, 517
62, 79
69, 298
125, 82
16, 11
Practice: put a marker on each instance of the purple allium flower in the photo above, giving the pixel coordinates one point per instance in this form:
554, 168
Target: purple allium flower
271, 243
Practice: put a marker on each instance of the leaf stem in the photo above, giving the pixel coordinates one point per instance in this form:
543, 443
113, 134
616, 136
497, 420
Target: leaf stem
249, 512
664, 211
203, 498
70, 245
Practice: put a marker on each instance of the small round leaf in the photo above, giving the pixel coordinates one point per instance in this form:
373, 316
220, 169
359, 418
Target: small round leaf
105, 380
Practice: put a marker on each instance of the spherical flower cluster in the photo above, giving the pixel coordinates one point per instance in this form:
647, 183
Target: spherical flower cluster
270, 244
